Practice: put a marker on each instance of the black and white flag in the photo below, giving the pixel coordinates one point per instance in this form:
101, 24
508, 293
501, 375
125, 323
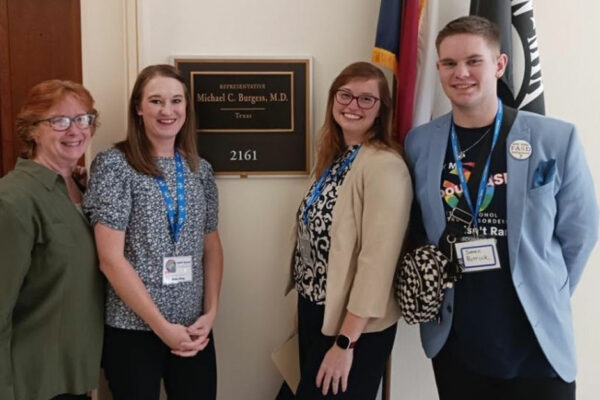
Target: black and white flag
521, 86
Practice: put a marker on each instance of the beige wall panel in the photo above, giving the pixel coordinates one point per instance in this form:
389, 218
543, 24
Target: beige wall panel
107, 59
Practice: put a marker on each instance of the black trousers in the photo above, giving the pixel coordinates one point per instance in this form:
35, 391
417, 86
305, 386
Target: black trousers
71, 397
370, 356
454, 382
135, 361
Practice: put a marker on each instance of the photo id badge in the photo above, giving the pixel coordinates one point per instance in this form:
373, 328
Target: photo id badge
177, 269
477, 255
304, 245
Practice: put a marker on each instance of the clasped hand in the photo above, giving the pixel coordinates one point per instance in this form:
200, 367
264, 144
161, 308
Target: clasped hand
188, 341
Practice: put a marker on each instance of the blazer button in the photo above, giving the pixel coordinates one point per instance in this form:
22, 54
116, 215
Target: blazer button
449, 309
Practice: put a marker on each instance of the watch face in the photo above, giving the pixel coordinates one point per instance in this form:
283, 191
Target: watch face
343, 341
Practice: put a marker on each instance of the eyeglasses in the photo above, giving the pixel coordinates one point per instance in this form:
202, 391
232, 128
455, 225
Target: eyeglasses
62, 123
364, 101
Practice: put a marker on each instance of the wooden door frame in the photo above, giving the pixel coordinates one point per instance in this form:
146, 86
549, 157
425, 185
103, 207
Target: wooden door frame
6, 136
39, 40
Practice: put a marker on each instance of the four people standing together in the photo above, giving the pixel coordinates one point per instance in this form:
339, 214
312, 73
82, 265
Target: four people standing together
505, 331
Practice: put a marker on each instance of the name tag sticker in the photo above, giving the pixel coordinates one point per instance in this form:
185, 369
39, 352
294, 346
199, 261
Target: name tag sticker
478, 255
177, 269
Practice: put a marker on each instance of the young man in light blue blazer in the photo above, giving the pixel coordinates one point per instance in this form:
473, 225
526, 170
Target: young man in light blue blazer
506, 329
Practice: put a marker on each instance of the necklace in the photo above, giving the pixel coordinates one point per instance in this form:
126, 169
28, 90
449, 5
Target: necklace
463, 153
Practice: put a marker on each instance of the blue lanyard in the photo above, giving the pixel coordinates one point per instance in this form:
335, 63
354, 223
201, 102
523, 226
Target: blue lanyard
318, 188
485, 173
181, 201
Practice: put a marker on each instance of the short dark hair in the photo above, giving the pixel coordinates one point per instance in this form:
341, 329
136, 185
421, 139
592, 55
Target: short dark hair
471, 25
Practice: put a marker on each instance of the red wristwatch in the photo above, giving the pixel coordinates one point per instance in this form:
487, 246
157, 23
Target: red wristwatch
343, 342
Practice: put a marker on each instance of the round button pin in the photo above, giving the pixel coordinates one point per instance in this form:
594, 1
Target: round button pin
520, 149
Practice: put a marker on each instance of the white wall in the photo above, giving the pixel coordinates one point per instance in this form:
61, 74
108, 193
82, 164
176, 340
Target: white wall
256, 213
106, 63
569, 55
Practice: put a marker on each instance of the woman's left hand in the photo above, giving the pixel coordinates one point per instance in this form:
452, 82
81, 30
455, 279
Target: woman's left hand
199, 332
334, 370
203, 325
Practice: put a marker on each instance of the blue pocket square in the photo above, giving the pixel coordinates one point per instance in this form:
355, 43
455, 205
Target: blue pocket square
544, 173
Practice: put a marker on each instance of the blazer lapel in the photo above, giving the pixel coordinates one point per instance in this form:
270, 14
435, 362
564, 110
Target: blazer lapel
435, 163
345, 190
518, 171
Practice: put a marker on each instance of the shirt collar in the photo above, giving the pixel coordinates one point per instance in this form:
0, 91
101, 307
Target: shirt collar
45, 176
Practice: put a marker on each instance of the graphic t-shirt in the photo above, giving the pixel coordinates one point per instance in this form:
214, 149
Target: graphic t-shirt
490, 332
492, 213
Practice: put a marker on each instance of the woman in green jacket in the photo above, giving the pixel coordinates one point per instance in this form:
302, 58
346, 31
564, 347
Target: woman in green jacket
51, 290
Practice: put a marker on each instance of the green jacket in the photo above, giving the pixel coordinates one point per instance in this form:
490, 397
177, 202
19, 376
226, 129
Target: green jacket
51, 290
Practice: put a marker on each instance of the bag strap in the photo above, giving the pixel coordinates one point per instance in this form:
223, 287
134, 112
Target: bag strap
456, 226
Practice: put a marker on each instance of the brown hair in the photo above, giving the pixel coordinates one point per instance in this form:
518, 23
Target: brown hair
41, 98
472, 25
136, 146
331, 141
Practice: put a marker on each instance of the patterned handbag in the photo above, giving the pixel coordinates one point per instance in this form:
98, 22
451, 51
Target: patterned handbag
420, 280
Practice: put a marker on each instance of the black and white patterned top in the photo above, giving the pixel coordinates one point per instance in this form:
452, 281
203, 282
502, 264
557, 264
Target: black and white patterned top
123, 199
311, 280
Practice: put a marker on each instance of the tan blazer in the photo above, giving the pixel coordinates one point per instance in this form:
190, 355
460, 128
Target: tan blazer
368, 225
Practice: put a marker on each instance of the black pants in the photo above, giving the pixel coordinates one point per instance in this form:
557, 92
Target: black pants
135, 361
370, 356
71, 397
454, 382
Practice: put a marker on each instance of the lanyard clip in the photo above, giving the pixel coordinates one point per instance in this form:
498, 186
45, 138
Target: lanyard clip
462, 216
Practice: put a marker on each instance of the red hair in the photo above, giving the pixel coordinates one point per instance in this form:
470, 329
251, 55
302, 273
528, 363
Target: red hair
41, 98
331, 141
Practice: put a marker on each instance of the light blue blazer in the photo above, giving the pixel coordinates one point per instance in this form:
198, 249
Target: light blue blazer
552, 222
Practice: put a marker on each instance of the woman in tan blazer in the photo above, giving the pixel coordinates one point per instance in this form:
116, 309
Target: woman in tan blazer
349, 231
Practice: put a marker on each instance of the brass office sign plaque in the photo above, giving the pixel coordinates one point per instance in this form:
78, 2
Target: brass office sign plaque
243, 101
251, 115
